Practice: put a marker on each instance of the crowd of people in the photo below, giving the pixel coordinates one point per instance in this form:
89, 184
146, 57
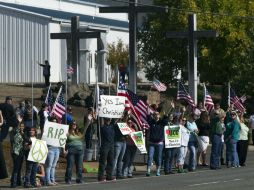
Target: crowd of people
198, 129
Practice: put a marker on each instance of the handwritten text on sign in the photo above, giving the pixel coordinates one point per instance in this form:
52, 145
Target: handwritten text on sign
38, 152
112, 106
125, 130
55, 134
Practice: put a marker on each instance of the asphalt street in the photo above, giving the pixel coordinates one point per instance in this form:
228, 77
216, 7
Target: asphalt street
203, 178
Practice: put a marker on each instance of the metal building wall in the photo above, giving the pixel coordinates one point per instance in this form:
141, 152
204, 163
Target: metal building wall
24, 41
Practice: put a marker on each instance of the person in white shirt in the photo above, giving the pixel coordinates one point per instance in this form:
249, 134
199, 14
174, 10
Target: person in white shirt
243, 142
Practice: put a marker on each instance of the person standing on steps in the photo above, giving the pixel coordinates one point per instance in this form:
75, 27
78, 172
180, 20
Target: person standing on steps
46, 71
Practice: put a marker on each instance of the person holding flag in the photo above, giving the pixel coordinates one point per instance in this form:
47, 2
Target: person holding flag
58, 109
43, 115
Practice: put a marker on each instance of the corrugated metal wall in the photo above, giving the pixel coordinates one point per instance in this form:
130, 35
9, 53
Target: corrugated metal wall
24, 41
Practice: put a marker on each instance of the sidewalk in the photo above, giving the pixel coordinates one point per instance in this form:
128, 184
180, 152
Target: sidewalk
140, 170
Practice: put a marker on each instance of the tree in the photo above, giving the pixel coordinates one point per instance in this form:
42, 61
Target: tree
226, 58
118, 54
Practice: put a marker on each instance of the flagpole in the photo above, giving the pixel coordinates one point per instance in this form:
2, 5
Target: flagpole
204, 97
98, 118
32, 93
47, 93
66, 83
229, 94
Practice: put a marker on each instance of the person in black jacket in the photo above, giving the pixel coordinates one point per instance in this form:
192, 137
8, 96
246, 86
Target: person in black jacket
9, 115
46, 72
106, 160
156, 141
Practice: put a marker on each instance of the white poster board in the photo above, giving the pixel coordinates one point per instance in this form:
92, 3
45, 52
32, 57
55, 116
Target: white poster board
55, 134
125, 130
38, 152
139, 141
111, 106
172, 136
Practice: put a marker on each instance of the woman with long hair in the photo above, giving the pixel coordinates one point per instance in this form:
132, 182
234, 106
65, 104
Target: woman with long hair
74, 147
203, 125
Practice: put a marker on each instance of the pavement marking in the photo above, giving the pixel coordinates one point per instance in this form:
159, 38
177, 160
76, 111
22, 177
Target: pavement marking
214, 182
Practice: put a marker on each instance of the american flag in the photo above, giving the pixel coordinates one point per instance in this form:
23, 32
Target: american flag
59, 106
208, 101
243, 98
182, 94
159, 86
235, 101
138, 109
49, 99
69, 69
132, 102
121, 90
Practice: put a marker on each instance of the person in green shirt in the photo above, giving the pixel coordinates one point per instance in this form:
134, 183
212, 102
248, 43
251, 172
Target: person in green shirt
231, 137
74, 147
216, 133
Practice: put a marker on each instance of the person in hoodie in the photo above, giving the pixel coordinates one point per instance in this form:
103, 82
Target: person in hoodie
156, 141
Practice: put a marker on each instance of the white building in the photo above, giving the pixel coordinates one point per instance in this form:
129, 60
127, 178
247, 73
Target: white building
25, 27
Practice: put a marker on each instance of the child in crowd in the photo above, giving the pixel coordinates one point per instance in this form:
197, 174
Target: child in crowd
31, 167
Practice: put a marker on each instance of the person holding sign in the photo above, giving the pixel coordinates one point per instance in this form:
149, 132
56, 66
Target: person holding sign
130, 151
156, 143
170, 152
106, 159
120, 147
31, 167
52, 159
74, 147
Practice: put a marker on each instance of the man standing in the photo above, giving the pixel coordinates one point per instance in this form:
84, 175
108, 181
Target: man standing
46, 72
9, 115
10, 120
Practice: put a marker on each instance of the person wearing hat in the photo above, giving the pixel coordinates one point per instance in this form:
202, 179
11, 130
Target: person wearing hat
231, 137
216, 138
67, 117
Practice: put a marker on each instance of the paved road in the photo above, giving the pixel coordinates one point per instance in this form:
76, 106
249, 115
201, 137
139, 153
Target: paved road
225, 178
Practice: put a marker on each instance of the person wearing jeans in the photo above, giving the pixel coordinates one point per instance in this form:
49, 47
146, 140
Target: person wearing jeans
74, 147
216, 133
130, 152
156, 141
192, 127
52, 158
50, 165
106, 160
231, 138
31, 167
120, 147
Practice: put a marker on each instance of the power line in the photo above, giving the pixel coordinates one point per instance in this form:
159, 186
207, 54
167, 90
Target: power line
189, 10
